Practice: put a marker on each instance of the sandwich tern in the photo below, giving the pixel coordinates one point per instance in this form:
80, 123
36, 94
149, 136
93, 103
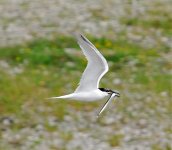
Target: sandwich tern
88, 89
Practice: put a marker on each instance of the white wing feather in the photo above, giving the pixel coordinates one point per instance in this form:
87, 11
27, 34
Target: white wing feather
96, 68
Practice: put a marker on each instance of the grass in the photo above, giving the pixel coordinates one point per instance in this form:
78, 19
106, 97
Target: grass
44, 64
34, 71
48, 69
114, 140
157, 17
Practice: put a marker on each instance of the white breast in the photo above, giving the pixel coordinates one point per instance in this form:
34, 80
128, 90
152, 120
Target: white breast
89, 96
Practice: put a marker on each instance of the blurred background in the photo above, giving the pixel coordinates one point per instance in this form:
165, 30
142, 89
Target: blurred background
40, 58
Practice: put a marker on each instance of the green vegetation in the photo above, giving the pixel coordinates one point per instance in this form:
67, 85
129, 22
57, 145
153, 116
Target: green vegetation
115, 140
157, 19
43, 64
136, 41
32, 72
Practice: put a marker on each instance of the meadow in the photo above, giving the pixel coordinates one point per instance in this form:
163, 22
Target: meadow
34, 71
40, 58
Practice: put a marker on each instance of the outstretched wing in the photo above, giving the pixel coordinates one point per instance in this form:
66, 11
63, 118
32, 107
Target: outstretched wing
97, 66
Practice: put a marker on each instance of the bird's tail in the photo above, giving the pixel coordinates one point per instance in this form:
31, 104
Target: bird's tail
62, 97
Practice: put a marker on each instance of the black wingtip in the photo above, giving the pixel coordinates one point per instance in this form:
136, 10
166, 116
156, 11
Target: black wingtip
83, 38
80, 36
86, 40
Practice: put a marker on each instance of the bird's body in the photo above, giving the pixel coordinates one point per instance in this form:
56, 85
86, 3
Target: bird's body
86, 96
88, 89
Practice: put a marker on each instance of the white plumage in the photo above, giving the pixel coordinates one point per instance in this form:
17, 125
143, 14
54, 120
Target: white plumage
97, 66
88, 89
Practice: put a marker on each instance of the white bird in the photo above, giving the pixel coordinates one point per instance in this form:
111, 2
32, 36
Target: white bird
88, 89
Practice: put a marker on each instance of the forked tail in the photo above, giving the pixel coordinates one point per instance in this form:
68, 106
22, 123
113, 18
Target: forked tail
62, 97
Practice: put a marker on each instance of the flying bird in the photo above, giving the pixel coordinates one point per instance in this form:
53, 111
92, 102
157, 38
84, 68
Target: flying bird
97, 67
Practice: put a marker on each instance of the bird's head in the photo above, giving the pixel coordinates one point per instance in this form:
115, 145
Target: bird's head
109, 91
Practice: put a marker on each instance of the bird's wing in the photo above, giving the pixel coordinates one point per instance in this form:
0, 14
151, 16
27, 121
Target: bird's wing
96, 67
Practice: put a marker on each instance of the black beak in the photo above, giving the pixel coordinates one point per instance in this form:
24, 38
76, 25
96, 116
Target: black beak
117, 94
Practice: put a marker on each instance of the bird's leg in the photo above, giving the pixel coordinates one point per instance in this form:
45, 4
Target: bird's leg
107, 102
